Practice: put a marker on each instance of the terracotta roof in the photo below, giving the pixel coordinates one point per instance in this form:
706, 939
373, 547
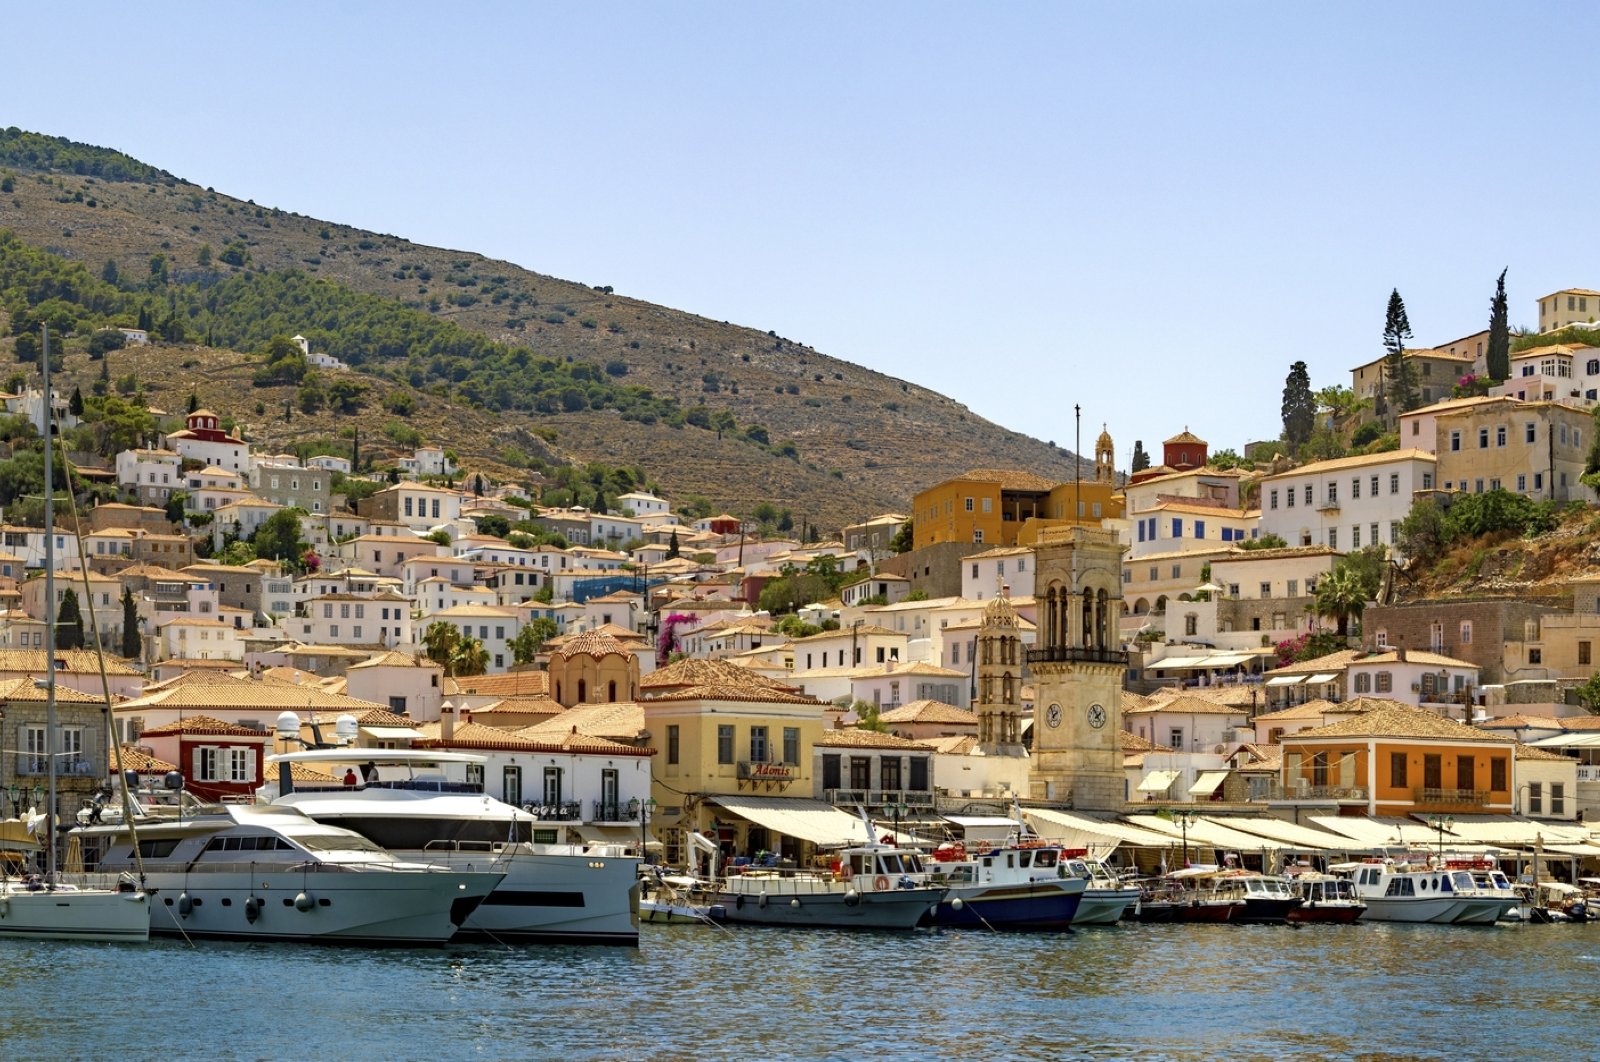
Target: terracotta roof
521, 706
856, 738
621, 720
1518, 722
1134, 743
1344, 658
394, 659
204, 691
471, 735
749, 694
691, 671
23, 689
1341, 463
929, 711
1008, 479
68, 661
1186, 438
1314, 709
592, 643
1237, 695
1528, 752
1392, 719
509, 684
205, 724
953, 745
1186, 705
136, 759
371, 715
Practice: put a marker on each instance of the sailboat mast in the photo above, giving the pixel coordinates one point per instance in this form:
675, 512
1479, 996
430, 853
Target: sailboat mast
49, 609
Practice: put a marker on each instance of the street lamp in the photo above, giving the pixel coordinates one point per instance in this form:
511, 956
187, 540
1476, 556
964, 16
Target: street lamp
899, 809
644, 817
1185, 819
1440, 823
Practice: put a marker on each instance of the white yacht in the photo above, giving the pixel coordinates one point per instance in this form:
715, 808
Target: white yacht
265, 873
1106, 899
1421, 892
551, 892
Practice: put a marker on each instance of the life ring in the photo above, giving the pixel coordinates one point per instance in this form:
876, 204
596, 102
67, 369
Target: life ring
880, 883
846, 872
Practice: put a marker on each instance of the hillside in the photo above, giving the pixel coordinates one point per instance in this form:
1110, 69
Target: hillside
863, 442
1510, 565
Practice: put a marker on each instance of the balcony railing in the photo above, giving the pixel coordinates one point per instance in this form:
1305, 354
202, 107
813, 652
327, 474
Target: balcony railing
1324, 792
30, 764
562, 811
1588, 772
878, 798
1072, 654
1433, 797
616, 811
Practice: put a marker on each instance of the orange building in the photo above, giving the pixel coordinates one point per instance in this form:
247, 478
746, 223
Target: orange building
1401, 760
999, 507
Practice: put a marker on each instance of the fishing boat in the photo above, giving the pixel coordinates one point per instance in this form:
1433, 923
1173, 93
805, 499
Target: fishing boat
875, 886
44, 907
1420, 892
1555, 901
1107, 898
1011, 886
1263, 899
1325, 899
585, 894
667, 899
1188, 895
273, 873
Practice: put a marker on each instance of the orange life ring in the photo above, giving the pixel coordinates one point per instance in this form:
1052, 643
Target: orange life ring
845, 871
880, 883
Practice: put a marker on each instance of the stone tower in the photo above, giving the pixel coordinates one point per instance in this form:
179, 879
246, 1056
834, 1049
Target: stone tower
1000, 679
1105, 463
1078, 669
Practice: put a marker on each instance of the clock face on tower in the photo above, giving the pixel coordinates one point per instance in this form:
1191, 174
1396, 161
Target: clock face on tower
1097, 716
1052, 715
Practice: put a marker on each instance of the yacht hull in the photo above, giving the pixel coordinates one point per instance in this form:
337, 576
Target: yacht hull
553, 898
74, 914
1262, 910
1047, 905
1327, 913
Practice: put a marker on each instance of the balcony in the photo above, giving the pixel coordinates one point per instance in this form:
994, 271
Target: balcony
1430, 796
615, 811
39, 766
1317, 792
1072, 654
879, 798
561, 811
1588, 772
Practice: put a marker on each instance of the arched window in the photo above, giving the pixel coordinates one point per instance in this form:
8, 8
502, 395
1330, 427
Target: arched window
1007, 690
558, 693
611, 692
583, 691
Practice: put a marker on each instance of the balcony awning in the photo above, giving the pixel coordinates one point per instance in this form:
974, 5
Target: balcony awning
806, 820
1286, 680
1207, 783
1158, 781
1314, 679
392, 733
1101, 836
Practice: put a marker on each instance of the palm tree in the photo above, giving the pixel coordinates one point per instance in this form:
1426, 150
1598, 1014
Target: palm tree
441, 639
1340, 595
469, 657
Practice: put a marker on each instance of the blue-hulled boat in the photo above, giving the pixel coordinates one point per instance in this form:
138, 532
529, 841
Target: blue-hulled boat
1010, 886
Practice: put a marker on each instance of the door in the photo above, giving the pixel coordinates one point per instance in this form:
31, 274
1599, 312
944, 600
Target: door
511, 786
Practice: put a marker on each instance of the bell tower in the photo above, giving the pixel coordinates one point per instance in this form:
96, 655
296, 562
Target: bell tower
1078, 670
1000, 679
1105, 460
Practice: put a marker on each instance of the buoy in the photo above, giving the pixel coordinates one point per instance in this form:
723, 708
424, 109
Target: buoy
303, 902
795, 902
957, 904
880, 883
851, 897
185, 904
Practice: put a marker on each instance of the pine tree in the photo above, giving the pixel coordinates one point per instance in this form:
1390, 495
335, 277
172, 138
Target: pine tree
144, 318
1141, 460
130, 625
69, 623
1299, 407
1499, 353
1400, 377
75, 406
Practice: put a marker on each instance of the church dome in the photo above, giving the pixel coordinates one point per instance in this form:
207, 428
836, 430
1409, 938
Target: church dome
998, 612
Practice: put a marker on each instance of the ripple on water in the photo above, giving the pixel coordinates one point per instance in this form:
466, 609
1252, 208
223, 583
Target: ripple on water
1364, 992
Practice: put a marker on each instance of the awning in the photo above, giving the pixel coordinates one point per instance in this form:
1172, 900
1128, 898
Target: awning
1206, 832
1314, 679
807, 820
1579, 739
1158, 781
984, 827
1192, 663
392, 733
1083, 831
1297, 837
1207, 783
1380, 832
1286, 680
1515, 832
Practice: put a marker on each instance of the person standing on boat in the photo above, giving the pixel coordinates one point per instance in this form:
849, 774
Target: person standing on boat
350, 776
369, 772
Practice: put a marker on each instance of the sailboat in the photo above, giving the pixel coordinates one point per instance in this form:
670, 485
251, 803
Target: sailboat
43, 908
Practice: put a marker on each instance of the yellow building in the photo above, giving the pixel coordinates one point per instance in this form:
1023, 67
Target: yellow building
1537, 449
1569, 306
996, 507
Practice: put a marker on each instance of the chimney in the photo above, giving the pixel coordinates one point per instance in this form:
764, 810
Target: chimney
1400, 649
447, 721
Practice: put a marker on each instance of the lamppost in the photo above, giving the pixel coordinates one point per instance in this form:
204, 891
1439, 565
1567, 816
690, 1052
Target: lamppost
1440, 823
899, 808
1185, 819
644, 817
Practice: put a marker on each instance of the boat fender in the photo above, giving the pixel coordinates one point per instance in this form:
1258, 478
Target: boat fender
252, 909
795, 902
851, 897
304, 901
880, 883
185, 904
957, 904
762, 900
738, 902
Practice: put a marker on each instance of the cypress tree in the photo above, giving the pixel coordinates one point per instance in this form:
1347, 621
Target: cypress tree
69, 623
1299, 407
1498, 356
130, 625
75, 406
1141, 460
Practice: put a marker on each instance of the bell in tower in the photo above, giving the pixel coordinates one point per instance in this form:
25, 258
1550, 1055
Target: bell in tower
1078, 667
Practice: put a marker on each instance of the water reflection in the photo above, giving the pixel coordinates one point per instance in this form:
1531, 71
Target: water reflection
1169, 992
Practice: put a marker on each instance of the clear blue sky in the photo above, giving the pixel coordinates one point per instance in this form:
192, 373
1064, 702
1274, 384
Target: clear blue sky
1148, 209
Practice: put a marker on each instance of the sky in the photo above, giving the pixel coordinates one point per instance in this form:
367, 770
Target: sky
1150, 210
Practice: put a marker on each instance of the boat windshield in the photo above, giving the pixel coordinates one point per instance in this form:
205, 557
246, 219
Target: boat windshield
336, 842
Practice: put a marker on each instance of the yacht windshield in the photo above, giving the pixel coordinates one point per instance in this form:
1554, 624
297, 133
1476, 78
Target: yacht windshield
336, 842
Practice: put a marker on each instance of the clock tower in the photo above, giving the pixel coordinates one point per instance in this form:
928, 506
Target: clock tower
1078, 669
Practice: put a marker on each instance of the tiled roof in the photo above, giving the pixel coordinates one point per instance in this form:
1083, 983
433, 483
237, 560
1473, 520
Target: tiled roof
1528, 752
204, 692
954, 745
394, 659
1392, 719
24, 689
1361, 461
1344, 658
1134, 743
749, 694
136, 759
205, 724
509, 684
372, 715
68, 661
1518, 722
477, 736
592, 643
1008, 479
1187, 705
856, 738
1184, 438
691, 671
521, 706
929, 711
622, 720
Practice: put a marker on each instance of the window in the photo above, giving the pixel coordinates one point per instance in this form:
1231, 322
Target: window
672, 742
1558, 798
1177, 528
1397, 770
1535, 798
1497, 774
1583, 652
1535, 656
860, 772
1522, 482
1190, 624
1272, 499
1199, 529
830, 771
1384, 682
1466, 773
1538, 481
1293, 588
1175, 738
1394, 483
919, 775
1455, 440
1483, 438
1529, 432
1333, 538
1372, 534
552, 785
889, 773
988, 504
1355, 536
791, 746
724, 743
1266, 589
1433, 771
1333, 493
969, 505
1363, 682
1477, 486
1500, 435
1355, 487
1309, 495
1177, 571
1290, 499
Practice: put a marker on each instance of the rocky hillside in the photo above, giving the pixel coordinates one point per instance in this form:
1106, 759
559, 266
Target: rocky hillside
865, 441
1509, 565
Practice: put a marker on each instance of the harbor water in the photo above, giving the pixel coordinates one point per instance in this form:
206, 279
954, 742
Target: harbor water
1128, 991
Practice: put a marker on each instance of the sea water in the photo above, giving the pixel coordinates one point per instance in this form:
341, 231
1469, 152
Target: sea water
1366, 991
